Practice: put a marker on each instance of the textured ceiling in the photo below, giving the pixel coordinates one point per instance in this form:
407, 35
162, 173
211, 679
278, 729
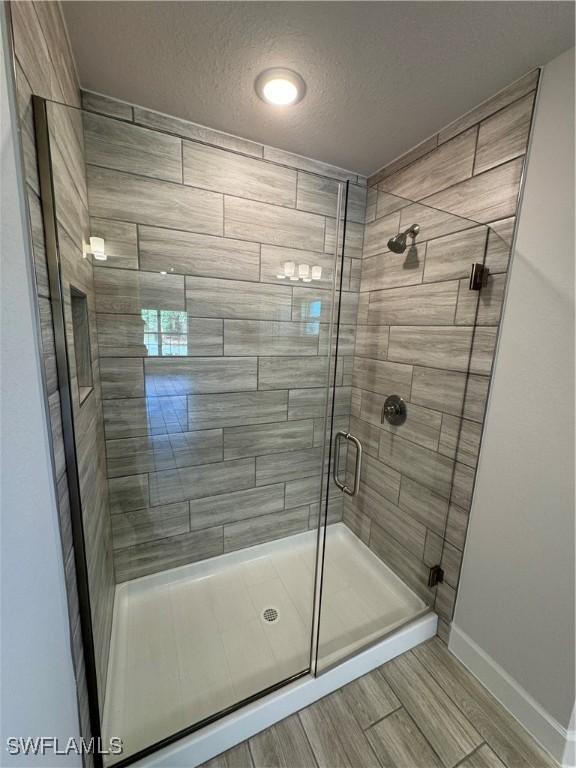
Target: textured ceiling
381, 76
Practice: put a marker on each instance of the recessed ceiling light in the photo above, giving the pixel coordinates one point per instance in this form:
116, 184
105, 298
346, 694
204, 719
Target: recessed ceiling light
280, 87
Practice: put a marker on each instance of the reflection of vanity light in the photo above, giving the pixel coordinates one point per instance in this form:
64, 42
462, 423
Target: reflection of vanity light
163, 273
290, 270
304, 272
97, 248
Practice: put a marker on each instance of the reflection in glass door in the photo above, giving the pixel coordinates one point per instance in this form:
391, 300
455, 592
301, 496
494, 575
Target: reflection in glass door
200, 446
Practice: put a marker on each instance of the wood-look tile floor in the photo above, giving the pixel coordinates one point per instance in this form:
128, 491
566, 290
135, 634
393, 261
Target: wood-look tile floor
421, 710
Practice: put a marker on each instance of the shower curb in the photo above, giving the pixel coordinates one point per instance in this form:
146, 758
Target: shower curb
203, 745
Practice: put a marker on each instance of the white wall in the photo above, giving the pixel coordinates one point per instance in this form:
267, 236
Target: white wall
514, 620
38, 693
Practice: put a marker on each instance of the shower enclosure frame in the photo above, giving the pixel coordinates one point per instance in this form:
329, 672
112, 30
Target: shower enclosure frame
306, 685
373, 653
71, 459
48, 205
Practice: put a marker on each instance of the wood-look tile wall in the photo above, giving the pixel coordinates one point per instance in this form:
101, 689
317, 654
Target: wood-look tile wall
44, 66
422, 334
219, 447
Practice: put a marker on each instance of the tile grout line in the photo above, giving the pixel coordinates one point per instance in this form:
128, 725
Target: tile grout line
440, 144
416, 725
460, 762
250, 752
259, 157
475, 154
165, 181
446, 690
312, 752
384, 717
203, 234
473, 224
463, 714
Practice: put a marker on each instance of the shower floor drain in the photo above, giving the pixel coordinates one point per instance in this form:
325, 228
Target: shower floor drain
270, 615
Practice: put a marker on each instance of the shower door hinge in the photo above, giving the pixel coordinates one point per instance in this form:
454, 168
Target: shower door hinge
435, 576
478, 277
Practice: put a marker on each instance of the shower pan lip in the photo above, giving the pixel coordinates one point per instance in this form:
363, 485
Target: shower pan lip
175, 741
194, 746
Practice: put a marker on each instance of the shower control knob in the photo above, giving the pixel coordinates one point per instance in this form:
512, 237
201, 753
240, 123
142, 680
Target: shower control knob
394, 410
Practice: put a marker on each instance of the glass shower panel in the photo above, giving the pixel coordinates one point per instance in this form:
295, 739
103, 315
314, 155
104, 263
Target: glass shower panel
423, 353
69, 335
198, 370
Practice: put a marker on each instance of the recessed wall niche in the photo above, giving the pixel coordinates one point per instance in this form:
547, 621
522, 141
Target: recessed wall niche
81, 330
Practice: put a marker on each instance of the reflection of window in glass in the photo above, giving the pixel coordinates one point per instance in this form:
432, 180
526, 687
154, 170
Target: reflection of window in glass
316, 308
165, 332
312, 329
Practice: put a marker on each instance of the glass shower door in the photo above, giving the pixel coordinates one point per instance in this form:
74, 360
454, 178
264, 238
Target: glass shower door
430, 298
194, 362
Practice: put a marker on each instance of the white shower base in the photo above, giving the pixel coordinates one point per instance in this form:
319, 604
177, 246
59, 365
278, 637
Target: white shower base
190, 642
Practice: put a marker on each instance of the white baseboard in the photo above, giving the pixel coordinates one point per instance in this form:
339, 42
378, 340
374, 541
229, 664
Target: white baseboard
193, 750
569, 759
555, 739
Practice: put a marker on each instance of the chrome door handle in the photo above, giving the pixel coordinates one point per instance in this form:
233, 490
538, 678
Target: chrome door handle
336, 464
357, 467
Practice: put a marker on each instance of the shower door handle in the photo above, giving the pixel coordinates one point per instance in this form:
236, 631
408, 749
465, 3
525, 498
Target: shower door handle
357, 466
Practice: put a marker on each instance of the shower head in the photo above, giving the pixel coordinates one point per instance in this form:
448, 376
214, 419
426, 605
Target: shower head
397, 244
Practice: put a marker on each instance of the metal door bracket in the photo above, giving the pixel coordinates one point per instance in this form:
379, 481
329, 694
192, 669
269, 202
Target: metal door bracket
478, 277
435, 576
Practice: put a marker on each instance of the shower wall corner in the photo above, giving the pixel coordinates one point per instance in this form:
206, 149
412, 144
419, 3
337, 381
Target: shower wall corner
424, 335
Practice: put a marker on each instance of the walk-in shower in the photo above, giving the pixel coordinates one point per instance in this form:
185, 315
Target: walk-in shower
244, 516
